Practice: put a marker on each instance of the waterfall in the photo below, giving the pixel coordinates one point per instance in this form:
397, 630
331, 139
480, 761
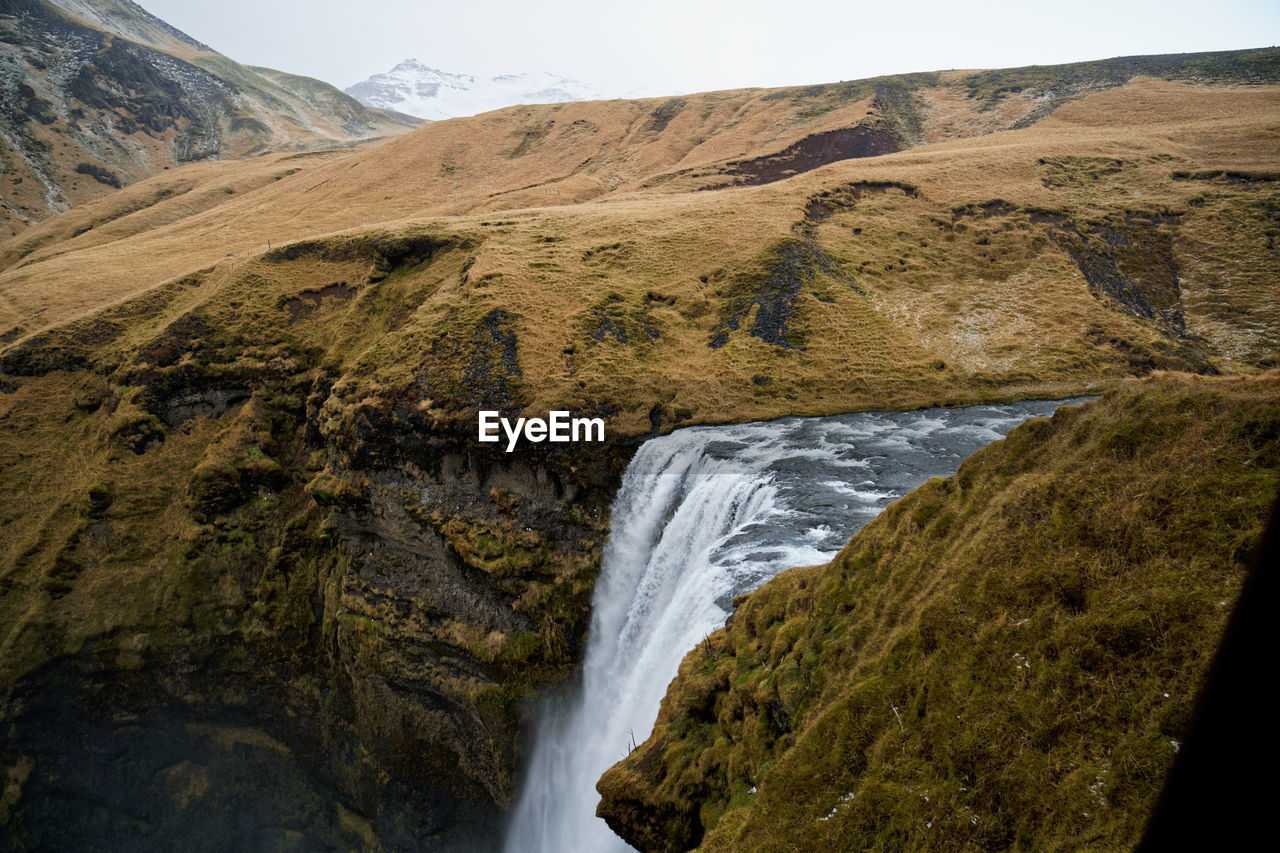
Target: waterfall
702, 515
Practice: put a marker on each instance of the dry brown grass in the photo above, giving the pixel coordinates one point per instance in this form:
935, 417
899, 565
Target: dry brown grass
919, 304
463, 166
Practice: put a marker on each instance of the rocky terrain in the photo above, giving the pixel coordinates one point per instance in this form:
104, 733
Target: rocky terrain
97, 95
254, 557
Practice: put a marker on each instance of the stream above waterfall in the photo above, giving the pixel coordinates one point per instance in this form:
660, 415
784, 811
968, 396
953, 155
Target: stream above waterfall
705, 514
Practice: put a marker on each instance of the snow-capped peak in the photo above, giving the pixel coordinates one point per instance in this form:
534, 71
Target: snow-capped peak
417, 89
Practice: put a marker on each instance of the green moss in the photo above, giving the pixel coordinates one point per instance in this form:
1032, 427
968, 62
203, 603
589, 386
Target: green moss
329, 489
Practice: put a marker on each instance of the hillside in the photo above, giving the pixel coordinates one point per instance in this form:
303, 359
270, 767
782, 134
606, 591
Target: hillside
1005, 659
100, 94
249, 519
1019, 259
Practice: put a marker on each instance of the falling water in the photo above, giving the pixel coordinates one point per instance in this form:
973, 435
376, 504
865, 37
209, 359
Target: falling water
705, 514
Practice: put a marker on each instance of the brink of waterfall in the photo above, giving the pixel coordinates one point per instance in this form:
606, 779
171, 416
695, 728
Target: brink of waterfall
703, 515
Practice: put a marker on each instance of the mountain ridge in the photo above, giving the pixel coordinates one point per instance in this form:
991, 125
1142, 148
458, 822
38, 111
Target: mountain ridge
131, 21
100, 93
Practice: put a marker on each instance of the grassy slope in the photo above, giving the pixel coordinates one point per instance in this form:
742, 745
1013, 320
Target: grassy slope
240, 478
644, 153
218, 559
936, 295
155, 203
1003, 659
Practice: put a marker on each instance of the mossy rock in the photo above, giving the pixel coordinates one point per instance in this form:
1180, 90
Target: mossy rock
215, 488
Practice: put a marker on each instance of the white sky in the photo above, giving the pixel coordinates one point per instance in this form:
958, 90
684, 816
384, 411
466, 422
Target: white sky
675, 46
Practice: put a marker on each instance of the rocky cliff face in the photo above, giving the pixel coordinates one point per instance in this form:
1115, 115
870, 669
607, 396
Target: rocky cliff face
97, 95
1004, 659
336, 602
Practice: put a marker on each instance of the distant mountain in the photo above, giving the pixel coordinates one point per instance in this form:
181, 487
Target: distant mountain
96, 94
429, 93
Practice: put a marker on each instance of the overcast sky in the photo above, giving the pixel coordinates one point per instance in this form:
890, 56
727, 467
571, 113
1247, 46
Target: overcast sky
675, 46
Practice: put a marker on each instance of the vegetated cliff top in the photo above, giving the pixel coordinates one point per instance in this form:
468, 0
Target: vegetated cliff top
100, 93
1006, 658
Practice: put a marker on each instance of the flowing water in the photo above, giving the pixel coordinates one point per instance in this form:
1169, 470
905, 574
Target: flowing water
705, 514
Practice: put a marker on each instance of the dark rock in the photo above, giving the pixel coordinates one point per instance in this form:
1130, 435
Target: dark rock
100, 174
813, 151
